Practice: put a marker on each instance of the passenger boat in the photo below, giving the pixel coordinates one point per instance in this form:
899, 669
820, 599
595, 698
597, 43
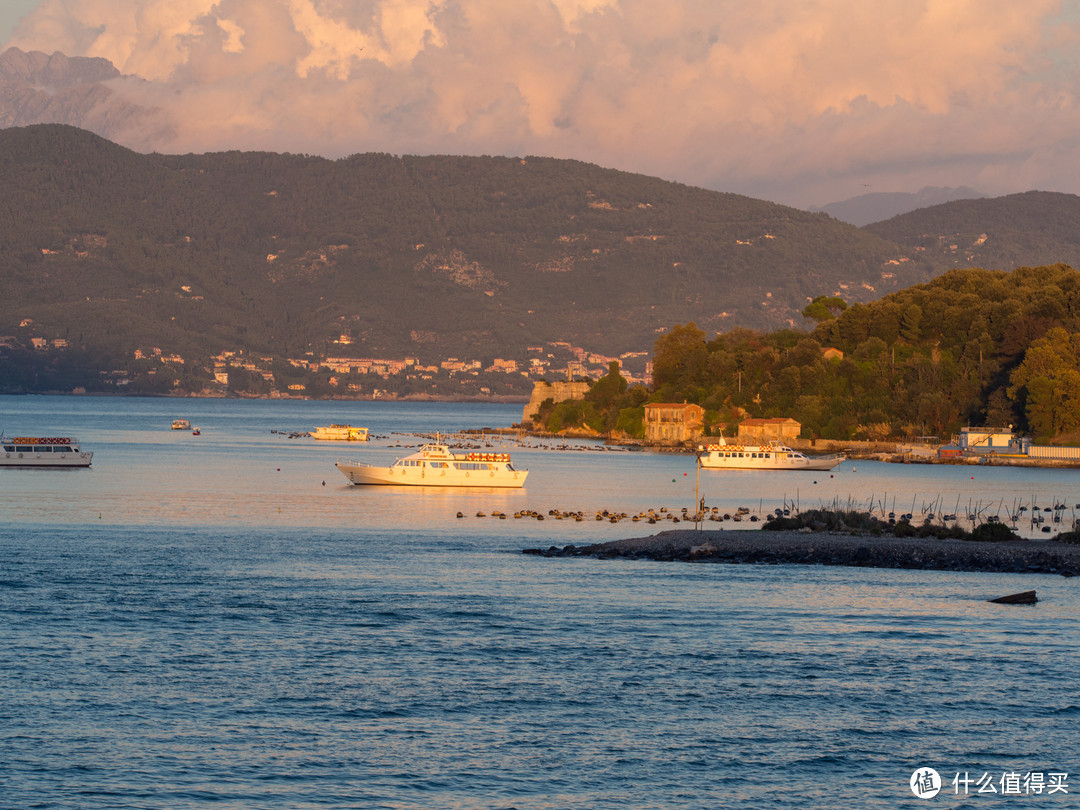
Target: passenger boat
433, 465
181, 424
772, 456
39, 451
340, 433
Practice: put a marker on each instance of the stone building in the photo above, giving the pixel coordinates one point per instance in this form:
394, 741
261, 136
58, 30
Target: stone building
668, 422
763, 431
556, 391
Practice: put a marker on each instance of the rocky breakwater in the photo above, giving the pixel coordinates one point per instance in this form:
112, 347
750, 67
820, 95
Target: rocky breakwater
828, 548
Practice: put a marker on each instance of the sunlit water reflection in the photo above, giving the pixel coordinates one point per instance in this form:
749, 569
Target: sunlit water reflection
201, 621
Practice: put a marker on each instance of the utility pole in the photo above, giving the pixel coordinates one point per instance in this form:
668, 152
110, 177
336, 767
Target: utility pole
699, 514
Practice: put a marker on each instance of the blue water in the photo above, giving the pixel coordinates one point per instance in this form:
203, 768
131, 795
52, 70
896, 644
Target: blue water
202, 622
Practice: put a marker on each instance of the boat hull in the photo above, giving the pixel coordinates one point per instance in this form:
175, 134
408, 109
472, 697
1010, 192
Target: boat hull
36, 451
823, 464
46, 460
370, 475
764, 457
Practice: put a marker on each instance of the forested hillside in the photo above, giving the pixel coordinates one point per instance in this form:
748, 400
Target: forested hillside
1030, 229
111, 250
971, 347
108, 256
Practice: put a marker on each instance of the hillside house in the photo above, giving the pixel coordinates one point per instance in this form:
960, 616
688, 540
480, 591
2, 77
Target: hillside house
673, 422
762, 431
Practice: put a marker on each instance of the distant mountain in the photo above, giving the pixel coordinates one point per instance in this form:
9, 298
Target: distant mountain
876, 206
423, 256
1031, 229
108, 254
40, 88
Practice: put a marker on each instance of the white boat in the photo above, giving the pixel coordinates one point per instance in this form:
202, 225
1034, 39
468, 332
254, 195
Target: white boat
340, 433
433, 465
772, 456
181, 424
41, 451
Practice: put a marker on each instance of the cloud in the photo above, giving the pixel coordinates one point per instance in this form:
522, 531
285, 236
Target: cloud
800, 102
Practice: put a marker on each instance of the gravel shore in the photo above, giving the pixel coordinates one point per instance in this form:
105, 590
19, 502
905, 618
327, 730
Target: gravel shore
820, 548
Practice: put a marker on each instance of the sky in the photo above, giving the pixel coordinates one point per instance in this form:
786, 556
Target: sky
803, 102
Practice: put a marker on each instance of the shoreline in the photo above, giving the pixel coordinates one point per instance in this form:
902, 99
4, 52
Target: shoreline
826, 548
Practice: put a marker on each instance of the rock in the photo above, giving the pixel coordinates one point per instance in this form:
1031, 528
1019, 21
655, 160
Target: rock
1023, 598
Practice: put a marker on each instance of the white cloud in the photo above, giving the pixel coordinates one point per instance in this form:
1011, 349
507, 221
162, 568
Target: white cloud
802, 102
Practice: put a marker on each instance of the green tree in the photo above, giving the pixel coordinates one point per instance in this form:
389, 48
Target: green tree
824, 308
911, 323
679, 359
1048, 383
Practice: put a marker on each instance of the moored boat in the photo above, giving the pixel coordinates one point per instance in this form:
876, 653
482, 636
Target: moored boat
340, 433
773, 456
434, 465
42, 451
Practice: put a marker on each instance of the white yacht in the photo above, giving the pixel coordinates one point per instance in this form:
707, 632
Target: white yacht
41, 451
433, 465
340, 433
772, 456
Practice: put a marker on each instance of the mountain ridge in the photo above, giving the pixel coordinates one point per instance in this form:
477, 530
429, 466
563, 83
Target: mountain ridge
600, 256
116, 253
878, 206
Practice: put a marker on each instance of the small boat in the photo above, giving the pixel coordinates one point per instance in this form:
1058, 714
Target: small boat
340, 433
181, 424
772, 456
434, 465
196, 432
40, 451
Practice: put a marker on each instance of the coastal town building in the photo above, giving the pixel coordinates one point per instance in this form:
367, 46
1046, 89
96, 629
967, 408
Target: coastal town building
985, 439
668, 422
762, 431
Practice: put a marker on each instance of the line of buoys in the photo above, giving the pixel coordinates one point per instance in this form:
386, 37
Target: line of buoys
713, 515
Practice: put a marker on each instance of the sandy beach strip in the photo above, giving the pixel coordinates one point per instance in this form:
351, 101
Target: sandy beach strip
826, 548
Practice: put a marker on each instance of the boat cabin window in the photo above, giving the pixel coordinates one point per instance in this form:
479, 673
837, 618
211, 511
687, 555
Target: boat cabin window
25, 448
470, 465
63, 450
9, 448
438, 465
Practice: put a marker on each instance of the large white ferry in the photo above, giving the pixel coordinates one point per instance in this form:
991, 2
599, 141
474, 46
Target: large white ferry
41, 451
773, 456
340, 433
433, 465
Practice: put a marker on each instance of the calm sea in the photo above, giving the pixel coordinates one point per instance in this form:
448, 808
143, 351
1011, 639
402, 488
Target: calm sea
220, 621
